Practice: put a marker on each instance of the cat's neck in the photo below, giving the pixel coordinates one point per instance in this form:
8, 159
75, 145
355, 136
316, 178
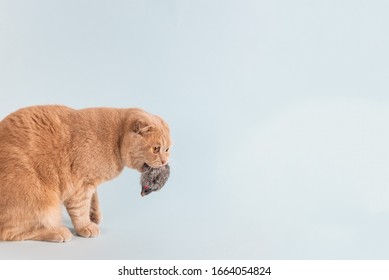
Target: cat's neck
96, 136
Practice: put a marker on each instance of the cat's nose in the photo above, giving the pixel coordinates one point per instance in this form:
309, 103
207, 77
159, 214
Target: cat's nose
163, 162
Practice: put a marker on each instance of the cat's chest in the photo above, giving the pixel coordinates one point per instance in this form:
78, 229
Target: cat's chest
96, 174
87, 180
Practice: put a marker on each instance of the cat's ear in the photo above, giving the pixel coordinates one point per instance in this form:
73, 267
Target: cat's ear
142, 127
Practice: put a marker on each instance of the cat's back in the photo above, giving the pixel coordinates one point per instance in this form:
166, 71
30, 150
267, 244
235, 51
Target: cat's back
36, 118
33, 128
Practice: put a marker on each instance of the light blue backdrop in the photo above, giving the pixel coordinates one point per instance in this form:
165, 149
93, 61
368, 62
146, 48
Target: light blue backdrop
278, 111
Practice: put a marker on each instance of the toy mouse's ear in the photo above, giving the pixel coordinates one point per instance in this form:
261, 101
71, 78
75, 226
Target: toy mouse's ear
141, 127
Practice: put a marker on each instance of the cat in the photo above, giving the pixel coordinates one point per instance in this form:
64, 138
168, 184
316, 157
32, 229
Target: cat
54, 155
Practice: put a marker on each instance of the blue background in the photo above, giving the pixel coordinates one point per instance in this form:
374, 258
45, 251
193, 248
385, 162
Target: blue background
278, 111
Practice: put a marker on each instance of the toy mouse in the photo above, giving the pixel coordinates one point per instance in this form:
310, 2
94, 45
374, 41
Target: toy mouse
153, 179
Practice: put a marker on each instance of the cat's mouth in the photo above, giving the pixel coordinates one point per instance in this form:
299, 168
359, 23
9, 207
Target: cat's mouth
148, 166
145, 167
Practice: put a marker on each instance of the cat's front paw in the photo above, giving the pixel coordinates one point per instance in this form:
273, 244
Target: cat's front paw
95, 216
90, 230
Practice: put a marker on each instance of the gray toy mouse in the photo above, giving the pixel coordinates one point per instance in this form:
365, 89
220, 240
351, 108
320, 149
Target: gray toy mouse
153, 179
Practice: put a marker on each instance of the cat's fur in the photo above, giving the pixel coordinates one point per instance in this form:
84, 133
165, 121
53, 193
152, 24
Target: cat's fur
54, 155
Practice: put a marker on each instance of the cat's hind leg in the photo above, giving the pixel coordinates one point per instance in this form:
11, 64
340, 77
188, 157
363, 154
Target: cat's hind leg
30, 204
58, 234
51, 228
41, 225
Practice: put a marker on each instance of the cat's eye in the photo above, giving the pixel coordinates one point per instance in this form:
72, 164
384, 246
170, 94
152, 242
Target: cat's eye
156, 149
167, 150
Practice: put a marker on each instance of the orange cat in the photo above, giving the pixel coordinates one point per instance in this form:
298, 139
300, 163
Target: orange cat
53, 155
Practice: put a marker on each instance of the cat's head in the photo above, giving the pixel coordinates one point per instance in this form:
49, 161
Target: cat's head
146, 140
